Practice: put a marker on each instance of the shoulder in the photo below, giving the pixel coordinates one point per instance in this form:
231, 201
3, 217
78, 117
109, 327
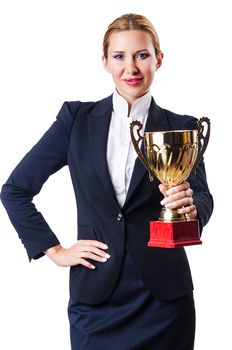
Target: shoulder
87, 106
70, 110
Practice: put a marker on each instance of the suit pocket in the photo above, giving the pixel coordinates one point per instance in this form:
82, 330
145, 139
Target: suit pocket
86, 232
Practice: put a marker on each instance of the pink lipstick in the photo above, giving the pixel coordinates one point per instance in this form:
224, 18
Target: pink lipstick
133, 81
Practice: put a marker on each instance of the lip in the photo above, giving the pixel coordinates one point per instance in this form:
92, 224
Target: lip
133, 81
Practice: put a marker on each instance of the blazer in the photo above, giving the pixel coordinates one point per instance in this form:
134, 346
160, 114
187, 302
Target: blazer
78, 138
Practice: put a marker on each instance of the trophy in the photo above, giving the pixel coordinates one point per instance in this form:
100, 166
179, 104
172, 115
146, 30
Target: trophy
172, 156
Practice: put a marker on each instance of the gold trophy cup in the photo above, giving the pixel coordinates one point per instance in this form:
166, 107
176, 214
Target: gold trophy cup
172, 156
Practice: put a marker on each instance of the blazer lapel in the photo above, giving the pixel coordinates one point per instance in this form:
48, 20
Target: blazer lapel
156, 121
98, 128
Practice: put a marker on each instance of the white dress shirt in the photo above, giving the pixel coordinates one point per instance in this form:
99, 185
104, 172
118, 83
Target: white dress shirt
120, 150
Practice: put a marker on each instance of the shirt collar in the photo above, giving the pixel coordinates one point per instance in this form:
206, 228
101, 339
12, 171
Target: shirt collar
139, 108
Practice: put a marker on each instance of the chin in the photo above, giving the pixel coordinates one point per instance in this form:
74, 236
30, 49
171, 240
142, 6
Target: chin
134, 92
139, 94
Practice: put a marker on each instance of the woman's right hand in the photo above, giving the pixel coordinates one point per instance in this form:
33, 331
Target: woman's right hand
78, 253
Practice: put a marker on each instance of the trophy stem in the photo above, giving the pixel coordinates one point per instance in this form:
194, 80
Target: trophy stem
171, 215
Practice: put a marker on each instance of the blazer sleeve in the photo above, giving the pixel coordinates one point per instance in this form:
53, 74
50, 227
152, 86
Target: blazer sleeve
45, 158
201, 194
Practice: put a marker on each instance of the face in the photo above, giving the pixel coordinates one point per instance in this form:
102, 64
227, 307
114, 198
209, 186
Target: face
132, 63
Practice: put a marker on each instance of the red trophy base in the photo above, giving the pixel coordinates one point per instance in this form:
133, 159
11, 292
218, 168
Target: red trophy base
174, 234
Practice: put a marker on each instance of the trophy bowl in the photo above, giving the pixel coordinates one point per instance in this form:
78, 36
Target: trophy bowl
172, 156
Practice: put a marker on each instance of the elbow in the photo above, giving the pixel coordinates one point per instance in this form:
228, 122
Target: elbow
11, 196
205, 207
4, 195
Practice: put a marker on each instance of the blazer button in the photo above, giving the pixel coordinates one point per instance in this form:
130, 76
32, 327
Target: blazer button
119, 217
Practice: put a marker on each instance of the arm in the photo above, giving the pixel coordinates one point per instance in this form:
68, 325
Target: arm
45, 158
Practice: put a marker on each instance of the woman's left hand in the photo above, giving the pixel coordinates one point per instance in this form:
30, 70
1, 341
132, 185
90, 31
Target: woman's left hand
179, 197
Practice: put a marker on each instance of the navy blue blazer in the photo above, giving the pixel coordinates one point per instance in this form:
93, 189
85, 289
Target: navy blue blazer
78, 138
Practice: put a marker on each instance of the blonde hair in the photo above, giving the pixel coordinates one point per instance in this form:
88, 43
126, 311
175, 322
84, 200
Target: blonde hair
131, 21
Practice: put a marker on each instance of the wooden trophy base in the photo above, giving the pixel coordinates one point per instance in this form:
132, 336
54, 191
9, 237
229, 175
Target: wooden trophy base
174, 234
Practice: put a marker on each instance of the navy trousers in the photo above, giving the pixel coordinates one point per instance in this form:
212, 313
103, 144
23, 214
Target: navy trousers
132, 319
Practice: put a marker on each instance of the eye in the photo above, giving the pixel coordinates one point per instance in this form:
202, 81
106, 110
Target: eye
142, 55
119, 56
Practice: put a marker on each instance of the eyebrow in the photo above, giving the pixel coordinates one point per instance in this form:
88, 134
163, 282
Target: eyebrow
118, 51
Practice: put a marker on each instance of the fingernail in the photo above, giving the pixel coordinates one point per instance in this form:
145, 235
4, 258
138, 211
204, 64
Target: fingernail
105, 246
103, 259
92, 267
107, 256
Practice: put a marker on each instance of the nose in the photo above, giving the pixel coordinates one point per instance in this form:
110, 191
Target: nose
131, 68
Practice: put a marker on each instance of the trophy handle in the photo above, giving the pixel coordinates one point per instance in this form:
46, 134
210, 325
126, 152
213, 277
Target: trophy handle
202, 137
136, 145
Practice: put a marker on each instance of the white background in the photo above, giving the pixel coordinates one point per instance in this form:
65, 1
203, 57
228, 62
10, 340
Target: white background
51, 52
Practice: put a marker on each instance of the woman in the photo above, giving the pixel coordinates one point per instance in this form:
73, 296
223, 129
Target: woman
123, 294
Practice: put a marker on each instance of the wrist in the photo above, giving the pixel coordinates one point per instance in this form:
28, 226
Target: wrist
53, 250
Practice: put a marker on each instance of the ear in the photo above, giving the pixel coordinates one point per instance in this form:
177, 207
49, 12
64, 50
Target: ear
159, 60
105, 64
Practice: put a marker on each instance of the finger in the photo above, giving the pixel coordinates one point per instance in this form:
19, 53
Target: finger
179, 188
193, 215
187, 210
94, 243
191, 211
163, 189
189, 192
85, 263
96, 251
184, 196
175, 204
90, 255
79, 247
178, 195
